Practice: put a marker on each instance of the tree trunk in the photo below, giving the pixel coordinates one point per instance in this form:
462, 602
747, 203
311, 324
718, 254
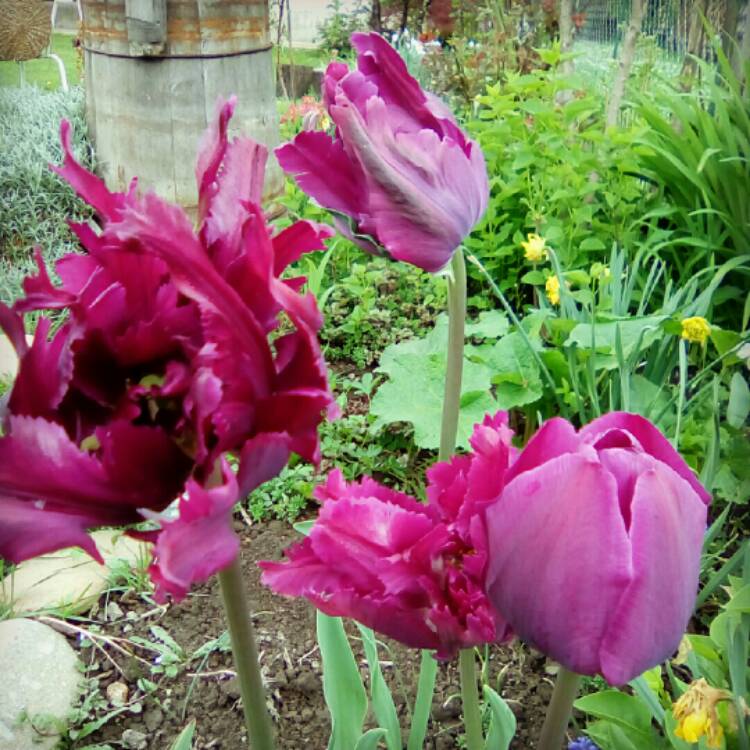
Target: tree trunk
566, 32
376, 19
626, 61
696, 35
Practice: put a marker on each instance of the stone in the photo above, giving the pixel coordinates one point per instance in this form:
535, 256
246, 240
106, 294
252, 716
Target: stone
132, 739
69, 579
117, 693
40, 685
153, 719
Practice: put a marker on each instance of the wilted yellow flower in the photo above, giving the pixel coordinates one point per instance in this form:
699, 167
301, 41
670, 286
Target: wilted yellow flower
696, 714
552, 287
535, 248
696, 330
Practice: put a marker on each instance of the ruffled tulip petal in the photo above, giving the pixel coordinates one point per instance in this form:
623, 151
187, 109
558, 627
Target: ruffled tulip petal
560, 525
200, 542
666, 533
650, 439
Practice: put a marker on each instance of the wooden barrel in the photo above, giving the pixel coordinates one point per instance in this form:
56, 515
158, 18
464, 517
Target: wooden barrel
154, 70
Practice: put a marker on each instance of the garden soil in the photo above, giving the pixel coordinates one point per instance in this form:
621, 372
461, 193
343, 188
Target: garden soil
207, 691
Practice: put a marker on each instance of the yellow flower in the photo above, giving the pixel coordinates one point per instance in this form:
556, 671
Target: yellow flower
552, 287
697, 330
696, 714
535, 249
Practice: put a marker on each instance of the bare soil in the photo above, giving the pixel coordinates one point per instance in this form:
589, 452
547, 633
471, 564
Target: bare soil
207, 691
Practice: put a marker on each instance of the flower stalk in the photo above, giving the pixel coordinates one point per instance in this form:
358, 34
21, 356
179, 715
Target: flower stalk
448, 434
245, 652
558, 711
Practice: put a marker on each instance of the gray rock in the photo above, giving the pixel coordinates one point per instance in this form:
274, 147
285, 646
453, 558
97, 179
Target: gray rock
39, 685
153, 719
132, 739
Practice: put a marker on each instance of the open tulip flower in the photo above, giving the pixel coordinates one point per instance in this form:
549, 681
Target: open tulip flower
595, 545
163, 364
411, 571
399, 174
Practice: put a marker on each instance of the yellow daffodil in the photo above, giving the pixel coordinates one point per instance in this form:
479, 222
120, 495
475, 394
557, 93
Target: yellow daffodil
696, 713
552, 287
535, 248
696, 330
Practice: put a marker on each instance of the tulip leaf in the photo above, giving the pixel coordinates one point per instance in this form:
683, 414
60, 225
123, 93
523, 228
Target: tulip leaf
610, 736
344, 692
184, 740
636, 333
415, 387
502, 722
739, 401
625, 711
370, 739
380, 695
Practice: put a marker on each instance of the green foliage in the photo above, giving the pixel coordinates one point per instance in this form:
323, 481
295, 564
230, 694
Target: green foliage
553, 170
36, 204
695, 150
339, 25
376, 304
284, 497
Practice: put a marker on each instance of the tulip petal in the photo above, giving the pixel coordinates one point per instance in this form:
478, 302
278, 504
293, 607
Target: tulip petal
559, 558
324, 171
554, 438
200, 542
650, 439
666, 532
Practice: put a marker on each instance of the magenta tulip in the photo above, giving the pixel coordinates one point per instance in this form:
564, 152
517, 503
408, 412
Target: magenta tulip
411, 571
399, 174
595, 545
163, 364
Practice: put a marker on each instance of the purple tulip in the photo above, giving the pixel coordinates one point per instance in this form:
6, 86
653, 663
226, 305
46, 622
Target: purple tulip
399, 174
595, 545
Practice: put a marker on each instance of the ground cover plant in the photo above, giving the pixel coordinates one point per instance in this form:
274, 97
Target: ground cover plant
561, 336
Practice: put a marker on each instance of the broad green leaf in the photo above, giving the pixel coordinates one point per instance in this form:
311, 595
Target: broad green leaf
415, 387
740, 602
502, 722
344, 692
184, 740
304, 527
739, 401
611, 736
380, 695
491, 324
626, 711
370, 739
515, 372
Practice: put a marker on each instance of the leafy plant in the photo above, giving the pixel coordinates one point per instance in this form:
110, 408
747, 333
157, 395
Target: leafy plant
36, 204
555, 171
339, 25
284, 497
696, 150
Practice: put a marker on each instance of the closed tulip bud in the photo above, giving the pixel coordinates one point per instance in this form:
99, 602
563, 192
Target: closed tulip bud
595, 545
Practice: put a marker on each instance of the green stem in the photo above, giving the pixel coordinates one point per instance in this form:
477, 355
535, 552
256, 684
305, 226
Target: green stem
455, 364
558, 711
470, 700
257, 720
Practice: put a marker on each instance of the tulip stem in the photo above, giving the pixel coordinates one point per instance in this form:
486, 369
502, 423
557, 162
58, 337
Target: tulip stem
455, 360
470, 700
257, 720
559, 709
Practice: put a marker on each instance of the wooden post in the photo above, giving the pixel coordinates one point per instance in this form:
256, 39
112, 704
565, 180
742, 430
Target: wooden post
626, 61
146, 23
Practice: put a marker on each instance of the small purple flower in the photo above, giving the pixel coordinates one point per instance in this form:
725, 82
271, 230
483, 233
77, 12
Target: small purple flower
582, 743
